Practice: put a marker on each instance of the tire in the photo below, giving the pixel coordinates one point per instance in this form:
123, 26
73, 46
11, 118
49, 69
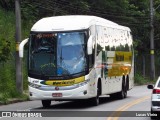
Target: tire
95, 100
123, 93
46, 103
127, 83
153, 117
114, 96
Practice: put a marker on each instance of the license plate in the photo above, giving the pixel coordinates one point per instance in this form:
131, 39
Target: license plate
56, 94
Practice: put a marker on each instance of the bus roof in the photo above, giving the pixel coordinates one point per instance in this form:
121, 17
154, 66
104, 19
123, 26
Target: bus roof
72, 22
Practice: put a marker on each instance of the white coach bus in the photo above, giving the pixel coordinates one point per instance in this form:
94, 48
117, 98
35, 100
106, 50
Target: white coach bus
78, 57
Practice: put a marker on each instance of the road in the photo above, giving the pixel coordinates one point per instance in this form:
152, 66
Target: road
138, 100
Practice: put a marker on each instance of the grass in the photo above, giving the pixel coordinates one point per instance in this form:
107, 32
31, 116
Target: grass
6, 99
8, 83
7, 69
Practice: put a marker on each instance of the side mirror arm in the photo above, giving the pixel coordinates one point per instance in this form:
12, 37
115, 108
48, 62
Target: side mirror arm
21, 47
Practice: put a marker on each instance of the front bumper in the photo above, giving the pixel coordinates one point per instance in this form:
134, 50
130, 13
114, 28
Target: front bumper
82, 92
155, 106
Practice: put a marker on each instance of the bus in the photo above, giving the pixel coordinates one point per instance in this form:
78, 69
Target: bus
77, 57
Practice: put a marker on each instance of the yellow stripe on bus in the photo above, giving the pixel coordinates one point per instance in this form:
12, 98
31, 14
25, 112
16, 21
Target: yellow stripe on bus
64, 82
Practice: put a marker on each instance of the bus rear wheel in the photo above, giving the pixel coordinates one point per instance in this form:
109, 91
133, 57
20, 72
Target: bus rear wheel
46, 103
123, 93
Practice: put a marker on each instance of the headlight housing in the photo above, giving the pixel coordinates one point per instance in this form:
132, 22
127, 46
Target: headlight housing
34, 85
83, 83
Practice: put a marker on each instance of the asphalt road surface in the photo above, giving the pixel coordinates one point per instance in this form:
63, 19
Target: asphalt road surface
135, 107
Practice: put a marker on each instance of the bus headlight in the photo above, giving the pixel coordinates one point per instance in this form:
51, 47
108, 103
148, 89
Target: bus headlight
34, 85
84, 83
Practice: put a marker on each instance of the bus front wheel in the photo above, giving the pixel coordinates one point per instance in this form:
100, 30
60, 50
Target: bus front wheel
95, 100
46, 103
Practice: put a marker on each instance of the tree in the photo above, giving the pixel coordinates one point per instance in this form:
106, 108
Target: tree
156, 24
131, 13
7, 4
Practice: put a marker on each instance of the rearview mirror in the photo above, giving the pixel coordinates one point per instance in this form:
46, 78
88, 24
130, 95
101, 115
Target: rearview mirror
150, 86
89, 45
21, 47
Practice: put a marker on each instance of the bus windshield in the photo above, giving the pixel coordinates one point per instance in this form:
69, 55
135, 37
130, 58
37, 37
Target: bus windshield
57, 54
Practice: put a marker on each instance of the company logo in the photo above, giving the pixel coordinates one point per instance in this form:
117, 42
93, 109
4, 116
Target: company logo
59, 83
56, 88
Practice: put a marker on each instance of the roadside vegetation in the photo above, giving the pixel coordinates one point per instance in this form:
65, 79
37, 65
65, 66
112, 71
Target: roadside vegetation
139, 79
7, 58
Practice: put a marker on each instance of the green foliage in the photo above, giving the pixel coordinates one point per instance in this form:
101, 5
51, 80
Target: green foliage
141, 80
5, 49
6, 98
6, 35
156, 24
29, 12
7, 56
7, 4
7, 80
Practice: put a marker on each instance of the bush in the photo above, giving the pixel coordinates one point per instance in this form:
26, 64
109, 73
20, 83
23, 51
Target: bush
141, 80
